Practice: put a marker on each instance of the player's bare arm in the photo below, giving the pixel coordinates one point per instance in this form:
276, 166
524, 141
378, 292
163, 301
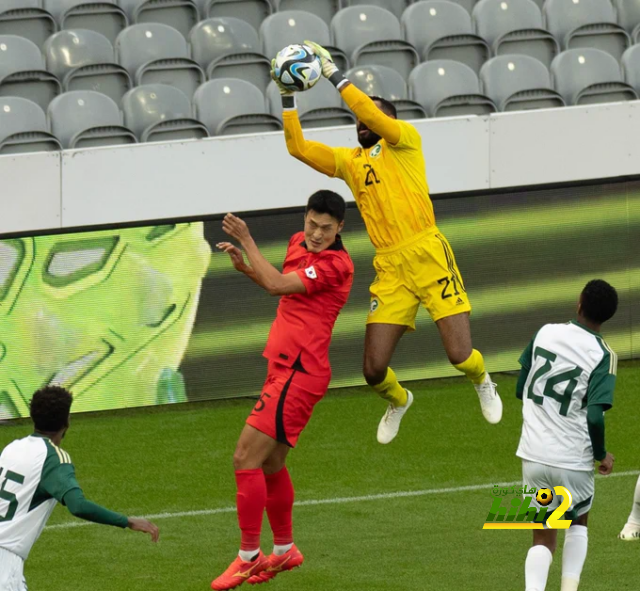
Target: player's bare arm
261, 270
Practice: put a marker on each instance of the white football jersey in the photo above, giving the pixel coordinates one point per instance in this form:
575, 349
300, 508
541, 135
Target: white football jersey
33, 473
570, 368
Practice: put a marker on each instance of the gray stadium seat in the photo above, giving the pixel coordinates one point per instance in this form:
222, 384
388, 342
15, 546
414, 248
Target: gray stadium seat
23, 72
216, 37
468, 5
23, 128
586, 23
228, 106
515, 27
372, 35
446, 88
395, 6
250, 66
157, 113
585, 76
629, 16
28, 19
155, 53
442, 30
252, 11
86, 119
179, 14
101, 16
325, 9
387, 83
319, 107
85, 60
518, 83
631, 66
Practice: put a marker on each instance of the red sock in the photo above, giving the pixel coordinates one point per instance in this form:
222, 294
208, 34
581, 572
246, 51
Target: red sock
280, 497
251, 500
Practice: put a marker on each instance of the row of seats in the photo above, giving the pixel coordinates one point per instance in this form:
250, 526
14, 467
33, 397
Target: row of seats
158, 112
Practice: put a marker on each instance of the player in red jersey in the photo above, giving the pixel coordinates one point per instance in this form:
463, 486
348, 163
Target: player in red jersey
314, 285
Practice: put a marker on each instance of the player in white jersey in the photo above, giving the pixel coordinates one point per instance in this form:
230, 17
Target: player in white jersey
631, 530
35, 474
566, 384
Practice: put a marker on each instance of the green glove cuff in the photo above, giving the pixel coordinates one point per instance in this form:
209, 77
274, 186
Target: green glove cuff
338, 79
288, 102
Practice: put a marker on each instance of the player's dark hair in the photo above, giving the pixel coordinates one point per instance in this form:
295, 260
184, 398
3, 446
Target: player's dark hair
50, 407
325, 201
599, 301
387, 106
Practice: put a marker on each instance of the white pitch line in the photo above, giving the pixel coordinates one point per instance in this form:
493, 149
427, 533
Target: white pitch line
337, 500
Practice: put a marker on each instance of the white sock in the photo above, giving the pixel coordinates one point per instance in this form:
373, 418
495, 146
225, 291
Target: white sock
635, 512
574, 554
536, 568
249, 555
280, 550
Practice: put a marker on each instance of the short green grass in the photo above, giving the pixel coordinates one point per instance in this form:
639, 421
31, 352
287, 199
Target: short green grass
177, 459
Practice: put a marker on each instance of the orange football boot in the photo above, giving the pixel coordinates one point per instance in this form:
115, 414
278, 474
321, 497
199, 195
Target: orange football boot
240, 571
277, 564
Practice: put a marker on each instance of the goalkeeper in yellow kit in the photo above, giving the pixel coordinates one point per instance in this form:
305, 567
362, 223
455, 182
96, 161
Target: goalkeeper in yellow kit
414, 262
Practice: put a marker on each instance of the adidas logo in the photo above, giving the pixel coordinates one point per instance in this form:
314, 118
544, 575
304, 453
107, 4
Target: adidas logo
459, 302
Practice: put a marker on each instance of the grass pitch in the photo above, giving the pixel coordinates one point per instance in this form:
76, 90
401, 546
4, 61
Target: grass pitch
178, 459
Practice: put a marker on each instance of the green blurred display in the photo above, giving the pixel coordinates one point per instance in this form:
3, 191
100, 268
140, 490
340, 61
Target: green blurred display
111, 313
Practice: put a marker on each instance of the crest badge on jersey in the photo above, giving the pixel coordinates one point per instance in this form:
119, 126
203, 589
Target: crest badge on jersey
374, 305
310, 272
375, 152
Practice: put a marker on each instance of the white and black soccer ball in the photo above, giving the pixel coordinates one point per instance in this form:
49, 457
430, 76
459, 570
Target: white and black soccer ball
297, 67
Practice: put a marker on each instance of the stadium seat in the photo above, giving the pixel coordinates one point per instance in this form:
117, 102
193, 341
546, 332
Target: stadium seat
228, 106
586, 23
23, 72
23, 128
252, 11
325, 9
372, 35
86, 119
154, 53
157, 113
387, 83
515, 27
585, 76
446, 88
395, 6
629, 16
442, 30
518, 83
85, 60
101, 16
631, 67
319, 107
468, 5
289, 27
26, 18
179, 14
250, 66
216, 37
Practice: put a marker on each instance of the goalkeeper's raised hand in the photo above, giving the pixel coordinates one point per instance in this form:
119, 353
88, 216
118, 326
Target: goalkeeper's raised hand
329, 68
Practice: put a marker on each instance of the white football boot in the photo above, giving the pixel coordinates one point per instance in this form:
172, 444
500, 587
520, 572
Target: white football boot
490, 401
390, 423
630, 532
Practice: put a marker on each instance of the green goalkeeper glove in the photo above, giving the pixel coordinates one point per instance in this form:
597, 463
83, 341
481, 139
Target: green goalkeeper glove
288, 96
329, 68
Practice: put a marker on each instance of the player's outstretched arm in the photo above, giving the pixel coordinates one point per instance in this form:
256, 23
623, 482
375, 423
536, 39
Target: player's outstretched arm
82, 508
595, 424
314, 154
264, 273
363, 107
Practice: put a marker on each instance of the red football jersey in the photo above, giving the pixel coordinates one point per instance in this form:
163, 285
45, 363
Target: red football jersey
301, 333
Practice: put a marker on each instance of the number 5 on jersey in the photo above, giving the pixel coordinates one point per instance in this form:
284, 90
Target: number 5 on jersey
9, 496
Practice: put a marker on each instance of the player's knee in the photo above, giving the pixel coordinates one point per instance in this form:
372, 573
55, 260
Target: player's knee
458, 355
242, 459
373, 373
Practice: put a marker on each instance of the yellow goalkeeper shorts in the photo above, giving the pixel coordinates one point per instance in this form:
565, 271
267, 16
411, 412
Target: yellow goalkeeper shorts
422, 271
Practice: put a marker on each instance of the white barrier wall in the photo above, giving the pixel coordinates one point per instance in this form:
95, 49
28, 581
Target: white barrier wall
184, 179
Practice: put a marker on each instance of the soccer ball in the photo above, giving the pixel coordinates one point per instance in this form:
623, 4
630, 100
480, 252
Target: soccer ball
544, 497
297, 67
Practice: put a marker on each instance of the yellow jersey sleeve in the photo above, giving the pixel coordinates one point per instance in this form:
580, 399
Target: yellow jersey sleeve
314, 154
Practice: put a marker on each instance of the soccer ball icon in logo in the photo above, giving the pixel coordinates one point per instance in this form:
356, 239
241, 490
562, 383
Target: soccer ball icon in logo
544, 497
297, 67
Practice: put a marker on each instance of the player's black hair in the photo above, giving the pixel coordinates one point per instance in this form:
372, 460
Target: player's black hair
387, 106
325, 201
599, 301
50, 407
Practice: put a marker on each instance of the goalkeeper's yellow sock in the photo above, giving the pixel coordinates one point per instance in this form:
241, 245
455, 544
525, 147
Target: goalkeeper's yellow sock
391, 390
473, 367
